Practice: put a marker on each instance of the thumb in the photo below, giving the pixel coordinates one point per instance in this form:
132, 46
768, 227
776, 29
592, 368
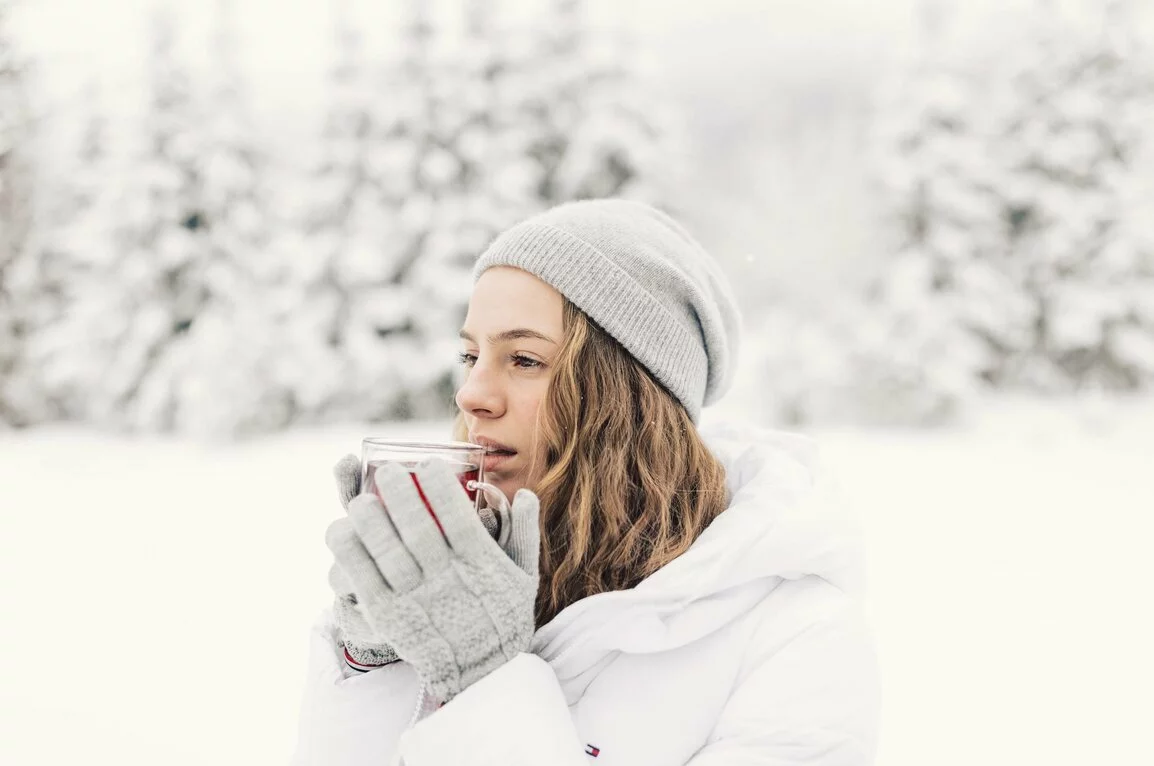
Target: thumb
347, 473
523, 544
340, 583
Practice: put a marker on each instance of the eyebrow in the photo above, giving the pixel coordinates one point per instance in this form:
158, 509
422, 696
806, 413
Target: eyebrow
508, 335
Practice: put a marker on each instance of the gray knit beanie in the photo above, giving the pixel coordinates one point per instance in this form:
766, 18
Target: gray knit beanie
640, 276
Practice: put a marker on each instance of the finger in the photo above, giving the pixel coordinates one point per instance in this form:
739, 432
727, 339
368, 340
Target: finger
491, 521
524, 545
340, 583
495, 511
381, 540
352, 624
411, 518
347, 473
368, 583
505, 517
505, 513
448, 499
358, 635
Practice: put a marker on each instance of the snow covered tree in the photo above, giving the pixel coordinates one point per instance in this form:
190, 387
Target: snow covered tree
547, 110
402, 328
902, 352
146, 286
77, 218
593, 125
1018, 193
338, 232
911, 348
859, 361
370, 216
1072, 148
224, 370
16, 215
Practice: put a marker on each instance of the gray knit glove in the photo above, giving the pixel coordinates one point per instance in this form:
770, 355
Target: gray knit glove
365, 650
454, 606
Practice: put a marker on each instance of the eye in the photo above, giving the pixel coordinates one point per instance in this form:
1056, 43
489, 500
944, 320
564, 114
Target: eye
466, 359
525, 362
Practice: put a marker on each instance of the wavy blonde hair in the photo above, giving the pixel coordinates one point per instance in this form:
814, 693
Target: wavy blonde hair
629, 484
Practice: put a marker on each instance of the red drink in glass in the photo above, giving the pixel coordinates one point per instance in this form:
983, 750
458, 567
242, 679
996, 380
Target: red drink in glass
466, 472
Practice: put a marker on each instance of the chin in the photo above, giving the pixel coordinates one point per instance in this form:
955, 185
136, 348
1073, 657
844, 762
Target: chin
510, 480
509, 486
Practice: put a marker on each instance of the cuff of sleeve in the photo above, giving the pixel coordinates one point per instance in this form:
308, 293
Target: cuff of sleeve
362, 667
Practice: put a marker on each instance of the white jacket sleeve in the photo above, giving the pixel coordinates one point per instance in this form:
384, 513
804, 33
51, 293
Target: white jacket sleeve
515, 716
354, 721
809, 694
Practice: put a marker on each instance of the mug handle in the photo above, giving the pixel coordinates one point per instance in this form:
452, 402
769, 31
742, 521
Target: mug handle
496, 510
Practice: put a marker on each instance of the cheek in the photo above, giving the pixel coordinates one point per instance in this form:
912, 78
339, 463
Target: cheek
526, 407
535, 402
537, 413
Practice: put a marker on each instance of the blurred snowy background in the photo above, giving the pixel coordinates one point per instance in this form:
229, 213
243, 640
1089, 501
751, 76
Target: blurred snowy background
235, 238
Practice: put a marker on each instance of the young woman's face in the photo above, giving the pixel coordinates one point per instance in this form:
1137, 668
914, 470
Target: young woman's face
511, 336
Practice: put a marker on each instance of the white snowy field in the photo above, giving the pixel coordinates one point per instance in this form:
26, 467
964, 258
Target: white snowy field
157, 594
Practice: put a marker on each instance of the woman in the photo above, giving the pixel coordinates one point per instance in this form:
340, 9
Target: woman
654, 594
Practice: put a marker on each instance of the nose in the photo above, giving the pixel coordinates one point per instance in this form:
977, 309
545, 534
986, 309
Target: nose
481, 394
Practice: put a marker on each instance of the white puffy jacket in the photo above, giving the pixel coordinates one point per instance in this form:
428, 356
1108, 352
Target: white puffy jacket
750, 648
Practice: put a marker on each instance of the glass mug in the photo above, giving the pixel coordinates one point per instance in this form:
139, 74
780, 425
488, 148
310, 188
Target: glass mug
467, 461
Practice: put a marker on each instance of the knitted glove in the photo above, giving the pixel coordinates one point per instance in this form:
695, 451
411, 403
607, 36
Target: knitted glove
364, 650
454, 606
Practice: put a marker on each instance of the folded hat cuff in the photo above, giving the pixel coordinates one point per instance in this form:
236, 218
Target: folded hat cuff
613, 299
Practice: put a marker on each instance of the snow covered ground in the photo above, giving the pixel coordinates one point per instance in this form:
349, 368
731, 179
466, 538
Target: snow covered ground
157, 594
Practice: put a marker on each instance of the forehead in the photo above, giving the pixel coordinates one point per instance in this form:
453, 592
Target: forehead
506, 297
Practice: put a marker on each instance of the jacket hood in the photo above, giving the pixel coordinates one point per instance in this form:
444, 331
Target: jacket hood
784, 521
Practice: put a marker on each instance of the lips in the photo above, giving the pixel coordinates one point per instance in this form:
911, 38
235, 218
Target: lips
496, 453
492, 446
